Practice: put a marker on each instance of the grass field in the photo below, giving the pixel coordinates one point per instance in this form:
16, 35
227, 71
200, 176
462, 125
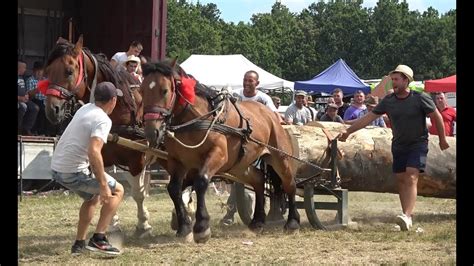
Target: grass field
47, 226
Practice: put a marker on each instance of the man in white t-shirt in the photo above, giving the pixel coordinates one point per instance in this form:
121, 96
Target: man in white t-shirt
79, 149
248, 93
120, 58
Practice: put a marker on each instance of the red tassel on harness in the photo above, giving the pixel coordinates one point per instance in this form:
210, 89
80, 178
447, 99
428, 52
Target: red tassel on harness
43, 86
187, 90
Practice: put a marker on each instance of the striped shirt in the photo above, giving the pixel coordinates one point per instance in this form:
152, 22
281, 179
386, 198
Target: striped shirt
31, 83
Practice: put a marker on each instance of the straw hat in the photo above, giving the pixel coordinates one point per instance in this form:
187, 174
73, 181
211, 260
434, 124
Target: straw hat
405, 70
133, 58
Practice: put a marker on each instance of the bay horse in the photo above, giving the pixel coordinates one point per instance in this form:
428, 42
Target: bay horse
206, 132
73, 72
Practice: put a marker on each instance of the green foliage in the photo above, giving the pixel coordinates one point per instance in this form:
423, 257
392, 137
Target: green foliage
372, 41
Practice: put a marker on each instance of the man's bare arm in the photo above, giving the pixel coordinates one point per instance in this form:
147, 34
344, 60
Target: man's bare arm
358, 124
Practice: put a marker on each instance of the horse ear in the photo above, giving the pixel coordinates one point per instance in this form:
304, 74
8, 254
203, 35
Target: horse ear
61, 40
78, 46
173, 63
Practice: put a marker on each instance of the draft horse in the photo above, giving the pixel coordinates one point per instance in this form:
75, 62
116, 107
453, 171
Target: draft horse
207, 132
73, 72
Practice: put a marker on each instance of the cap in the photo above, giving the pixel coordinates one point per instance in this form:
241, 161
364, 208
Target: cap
333, 105
300, 93
106, 91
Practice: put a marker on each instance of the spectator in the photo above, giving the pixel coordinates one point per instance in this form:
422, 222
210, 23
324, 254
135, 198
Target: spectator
371, 102
448, 114
324, 109
331, 114
119, 58
308, 101
276, 101
38, 98
248, 93
357, 106
27, 110
297, 114
342, 106
131, 66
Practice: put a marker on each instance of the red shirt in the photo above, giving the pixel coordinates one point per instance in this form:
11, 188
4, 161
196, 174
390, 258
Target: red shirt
449, 116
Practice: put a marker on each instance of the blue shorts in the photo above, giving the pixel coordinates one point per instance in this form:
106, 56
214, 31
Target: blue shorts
83, 184
414, 156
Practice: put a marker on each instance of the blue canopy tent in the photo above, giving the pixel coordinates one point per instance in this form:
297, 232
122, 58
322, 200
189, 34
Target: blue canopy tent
338, 75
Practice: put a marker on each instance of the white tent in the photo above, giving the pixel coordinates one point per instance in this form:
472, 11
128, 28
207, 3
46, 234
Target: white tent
228, 70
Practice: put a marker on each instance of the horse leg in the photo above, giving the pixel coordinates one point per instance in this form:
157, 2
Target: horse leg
255, 178
188, 202
283, 168
140, 185
214, 161
177, 172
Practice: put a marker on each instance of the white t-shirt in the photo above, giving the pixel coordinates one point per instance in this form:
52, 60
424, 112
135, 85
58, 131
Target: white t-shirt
298, 116
120, 58
71, 152
259, 97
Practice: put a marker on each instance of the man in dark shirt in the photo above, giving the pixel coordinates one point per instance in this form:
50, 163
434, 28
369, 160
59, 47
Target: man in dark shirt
337, 95
407, 111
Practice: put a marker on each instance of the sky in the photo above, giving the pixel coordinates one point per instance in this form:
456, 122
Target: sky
242, 10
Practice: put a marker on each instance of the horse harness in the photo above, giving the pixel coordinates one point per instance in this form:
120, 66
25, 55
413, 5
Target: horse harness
218, 101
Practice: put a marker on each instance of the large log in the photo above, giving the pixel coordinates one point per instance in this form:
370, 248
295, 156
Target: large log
367, 160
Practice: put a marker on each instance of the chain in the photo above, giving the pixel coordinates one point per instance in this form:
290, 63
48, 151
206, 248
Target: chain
289, 155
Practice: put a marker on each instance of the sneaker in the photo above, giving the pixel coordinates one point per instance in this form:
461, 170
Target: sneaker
102, 246
78, 248
227, 220
404, 222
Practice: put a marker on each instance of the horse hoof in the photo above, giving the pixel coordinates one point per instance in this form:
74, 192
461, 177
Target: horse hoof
187, 238
257, 228
142, 232
292, 226
202, 237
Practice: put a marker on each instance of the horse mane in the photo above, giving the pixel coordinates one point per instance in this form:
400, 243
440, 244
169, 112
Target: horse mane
165, 68
120, 78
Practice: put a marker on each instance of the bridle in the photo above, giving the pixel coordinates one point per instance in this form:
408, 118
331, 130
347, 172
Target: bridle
159, 112
70, 96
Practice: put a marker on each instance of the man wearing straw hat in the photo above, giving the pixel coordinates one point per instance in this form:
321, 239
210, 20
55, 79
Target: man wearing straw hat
407, 111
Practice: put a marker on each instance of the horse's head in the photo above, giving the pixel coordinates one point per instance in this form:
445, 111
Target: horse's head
165, 89
65, 72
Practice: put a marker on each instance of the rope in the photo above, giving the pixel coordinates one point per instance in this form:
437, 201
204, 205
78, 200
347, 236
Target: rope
289, 155
171, 134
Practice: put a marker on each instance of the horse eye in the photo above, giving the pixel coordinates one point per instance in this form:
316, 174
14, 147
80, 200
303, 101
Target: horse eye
165, 92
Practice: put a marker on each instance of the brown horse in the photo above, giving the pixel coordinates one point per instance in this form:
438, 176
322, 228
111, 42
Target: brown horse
183, 111
73, 73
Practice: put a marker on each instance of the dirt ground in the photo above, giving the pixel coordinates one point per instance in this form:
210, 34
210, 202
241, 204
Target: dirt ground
47, 226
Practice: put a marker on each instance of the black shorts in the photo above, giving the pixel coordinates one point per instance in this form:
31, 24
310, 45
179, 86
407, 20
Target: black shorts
413, 156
